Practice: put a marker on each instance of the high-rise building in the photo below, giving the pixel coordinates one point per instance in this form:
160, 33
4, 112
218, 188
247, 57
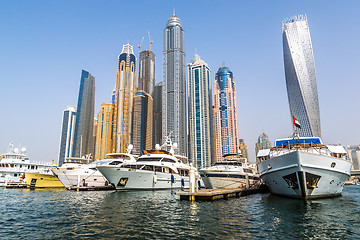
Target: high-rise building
354, 155
146, 71
225, 110
157, 107
174, 112
263, 142
142, 122
104, 133
243, 148
300, 75
67, 134
84, 125
124, 92
200, 112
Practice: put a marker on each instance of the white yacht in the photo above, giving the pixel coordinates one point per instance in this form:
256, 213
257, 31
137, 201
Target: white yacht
234, 172
81, 172
153, 170
304, 168
14, 164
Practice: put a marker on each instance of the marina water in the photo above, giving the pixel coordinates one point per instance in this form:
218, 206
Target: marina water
58, 214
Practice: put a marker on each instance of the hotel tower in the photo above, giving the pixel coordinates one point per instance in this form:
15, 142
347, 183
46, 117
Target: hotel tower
124, 93
200, 112
300, 75
174, 117
225, 114
84, 126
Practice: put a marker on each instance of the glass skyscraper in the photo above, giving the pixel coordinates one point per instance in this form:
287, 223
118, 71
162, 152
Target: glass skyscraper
300, 75
200, 112
84, 125
174, 113
67, 134
225, 114
157, 122
263, 142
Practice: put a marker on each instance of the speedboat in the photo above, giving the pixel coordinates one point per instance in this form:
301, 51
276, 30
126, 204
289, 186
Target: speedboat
304, 168
154, 170
233, 172
15, 163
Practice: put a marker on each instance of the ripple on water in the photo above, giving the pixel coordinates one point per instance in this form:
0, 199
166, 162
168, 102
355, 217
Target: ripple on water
159, 215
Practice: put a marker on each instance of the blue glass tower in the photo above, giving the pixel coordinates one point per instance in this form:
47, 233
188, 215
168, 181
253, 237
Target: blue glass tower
84, 125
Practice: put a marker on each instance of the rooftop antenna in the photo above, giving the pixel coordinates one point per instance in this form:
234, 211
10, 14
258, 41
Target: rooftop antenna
223, 63
195, 51
139, 45
174, 12
151, 41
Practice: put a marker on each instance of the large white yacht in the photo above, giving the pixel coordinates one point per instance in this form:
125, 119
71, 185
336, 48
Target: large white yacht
14, 164
304, 168
154, 170
81, 172
233, 172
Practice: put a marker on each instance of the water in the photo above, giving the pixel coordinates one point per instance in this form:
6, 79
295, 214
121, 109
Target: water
58, 214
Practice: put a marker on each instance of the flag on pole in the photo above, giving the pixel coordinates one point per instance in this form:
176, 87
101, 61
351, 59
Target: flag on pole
296, 122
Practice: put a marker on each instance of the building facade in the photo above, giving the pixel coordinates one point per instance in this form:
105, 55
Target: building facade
174, 112
200, 112
67, 134
84, 124
142, 122
104, 132
124, 93
263, 142
243, 149
157, 116
300, 75
225, 114
146, 71
354, 155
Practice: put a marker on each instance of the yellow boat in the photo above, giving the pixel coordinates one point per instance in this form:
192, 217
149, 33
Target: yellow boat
38, 180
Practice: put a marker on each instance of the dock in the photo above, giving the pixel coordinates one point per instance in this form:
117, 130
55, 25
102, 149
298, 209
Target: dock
86, 188
223, 193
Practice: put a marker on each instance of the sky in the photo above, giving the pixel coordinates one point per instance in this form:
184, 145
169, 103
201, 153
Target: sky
44, 45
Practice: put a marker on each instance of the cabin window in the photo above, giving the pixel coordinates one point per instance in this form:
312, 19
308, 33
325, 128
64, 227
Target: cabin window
170, 170
11, 165
157, 169
20, 166
15, 175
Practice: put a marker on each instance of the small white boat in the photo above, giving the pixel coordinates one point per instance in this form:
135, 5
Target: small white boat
14, 164
154, 170
233, 172
81, 172
304, 168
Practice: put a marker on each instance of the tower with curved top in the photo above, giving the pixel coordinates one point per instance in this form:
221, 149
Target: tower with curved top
300, 75
124, 93
225, 114
174, 113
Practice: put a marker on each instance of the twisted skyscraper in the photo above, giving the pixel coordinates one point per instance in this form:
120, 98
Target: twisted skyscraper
300, 75
174, 117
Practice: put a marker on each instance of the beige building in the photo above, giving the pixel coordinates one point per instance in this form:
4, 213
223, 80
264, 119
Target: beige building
104, 133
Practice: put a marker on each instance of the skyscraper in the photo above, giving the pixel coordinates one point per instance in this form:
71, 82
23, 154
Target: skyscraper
354, 155
146, 71
174, 112
104, 133
263, 142
143, 122
225, 111
124, 92
67, 134
157, 116
200, 108
84, 125
300, 75
243, 148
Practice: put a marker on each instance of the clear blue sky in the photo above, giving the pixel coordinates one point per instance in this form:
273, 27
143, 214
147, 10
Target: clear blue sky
44, 45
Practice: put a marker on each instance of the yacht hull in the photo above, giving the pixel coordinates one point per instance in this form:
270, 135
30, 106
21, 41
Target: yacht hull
37, 180
305, 175
213, 179
126, 179
81, 176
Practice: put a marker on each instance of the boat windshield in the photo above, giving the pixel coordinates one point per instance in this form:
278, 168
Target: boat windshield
232, 163
156, 160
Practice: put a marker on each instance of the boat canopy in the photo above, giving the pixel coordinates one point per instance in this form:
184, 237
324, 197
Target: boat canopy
263, 153
145, 152
337, 149
302, 140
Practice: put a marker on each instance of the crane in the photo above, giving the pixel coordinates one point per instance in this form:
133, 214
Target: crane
139, 45
151, 41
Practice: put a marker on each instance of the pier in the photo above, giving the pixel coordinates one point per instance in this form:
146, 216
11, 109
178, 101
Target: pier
223, 193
